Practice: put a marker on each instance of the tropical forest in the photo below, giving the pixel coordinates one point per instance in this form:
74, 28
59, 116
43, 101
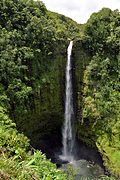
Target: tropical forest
59, 94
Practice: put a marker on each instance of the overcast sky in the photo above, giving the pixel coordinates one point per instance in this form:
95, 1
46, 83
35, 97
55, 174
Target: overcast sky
80, 10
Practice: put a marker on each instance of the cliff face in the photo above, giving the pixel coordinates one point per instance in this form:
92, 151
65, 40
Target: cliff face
32, 74
45, 107
81, 58
99, 97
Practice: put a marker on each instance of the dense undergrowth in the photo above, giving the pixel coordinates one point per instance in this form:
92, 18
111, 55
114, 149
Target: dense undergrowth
32, 49
101, 95
33, 46
18, 160
33, 43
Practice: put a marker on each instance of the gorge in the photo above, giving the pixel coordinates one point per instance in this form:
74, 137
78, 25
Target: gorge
33, 45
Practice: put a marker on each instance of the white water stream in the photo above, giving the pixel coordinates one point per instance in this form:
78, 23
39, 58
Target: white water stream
84, 169
68, 137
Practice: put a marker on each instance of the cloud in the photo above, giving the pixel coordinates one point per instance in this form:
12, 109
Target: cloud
80, 10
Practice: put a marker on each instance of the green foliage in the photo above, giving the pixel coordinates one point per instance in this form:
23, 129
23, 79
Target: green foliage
66, 28
102, 31
32, 47
33, 44
70, 171
31, 40
16, 162
101, 111
11, 141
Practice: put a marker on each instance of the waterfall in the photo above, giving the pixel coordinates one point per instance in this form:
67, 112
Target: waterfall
68, 130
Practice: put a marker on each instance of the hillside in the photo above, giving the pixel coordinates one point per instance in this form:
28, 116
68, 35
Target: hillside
33, 47
101, 85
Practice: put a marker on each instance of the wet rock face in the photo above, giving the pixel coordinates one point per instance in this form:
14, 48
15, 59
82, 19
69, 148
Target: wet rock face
45, 107
80, 60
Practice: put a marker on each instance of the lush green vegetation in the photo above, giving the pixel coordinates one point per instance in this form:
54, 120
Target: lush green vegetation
33, 43
16, 159
101, 111
32, 48
33, 51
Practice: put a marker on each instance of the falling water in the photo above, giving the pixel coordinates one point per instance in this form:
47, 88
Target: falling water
84, 169
67, 132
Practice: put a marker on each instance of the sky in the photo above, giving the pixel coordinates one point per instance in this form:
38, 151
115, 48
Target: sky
80, 10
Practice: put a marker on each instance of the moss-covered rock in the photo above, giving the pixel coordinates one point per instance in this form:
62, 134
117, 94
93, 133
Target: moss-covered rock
100, 93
